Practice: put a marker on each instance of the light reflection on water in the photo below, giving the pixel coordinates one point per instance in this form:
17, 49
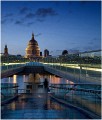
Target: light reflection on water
14, 78
21, 79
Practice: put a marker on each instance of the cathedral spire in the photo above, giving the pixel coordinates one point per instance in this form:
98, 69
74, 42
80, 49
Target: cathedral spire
32, 35
5, 50
6, 46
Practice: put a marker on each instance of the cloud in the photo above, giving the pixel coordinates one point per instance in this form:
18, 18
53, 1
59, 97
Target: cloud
44, 12
30, 15
40, 20
8, 15
41, 13
6, 18
24, 23
19, 22
30, 23
24, 10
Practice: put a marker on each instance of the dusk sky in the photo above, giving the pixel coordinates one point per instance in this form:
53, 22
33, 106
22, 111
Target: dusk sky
57, 25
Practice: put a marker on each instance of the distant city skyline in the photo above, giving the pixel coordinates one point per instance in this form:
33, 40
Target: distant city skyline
57, 25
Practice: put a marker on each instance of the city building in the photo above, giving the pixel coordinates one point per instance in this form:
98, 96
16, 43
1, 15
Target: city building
5, 51
65, 52
46, 53
32, 50
40, 53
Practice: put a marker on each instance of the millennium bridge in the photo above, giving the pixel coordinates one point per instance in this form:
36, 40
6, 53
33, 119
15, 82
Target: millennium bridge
80, 94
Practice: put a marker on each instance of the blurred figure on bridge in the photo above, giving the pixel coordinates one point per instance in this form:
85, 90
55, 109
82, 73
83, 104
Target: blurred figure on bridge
46, 84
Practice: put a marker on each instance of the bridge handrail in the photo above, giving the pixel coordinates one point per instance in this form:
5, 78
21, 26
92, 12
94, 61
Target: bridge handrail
3, 71
8, 85
70, 87
79, 84
79, 89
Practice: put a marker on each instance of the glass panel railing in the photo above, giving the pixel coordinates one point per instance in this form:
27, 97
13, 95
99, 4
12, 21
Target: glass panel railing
86, 65
8, 91
86, 96
10, 66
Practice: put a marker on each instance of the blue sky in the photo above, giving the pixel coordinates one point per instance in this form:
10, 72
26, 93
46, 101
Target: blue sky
57, 25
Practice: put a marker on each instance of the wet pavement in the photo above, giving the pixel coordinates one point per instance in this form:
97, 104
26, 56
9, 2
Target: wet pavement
38, 106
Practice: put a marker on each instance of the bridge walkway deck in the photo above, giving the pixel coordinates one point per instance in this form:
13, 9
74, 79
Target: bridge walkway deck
39, 105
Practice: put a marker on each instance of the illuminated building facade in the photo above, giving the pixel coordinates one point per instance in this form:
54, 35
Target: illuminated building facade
32, 49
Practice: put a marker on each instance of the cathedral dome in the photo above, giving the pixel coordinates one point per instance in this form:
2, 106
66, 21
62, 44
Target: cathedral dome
32, 49
33, 42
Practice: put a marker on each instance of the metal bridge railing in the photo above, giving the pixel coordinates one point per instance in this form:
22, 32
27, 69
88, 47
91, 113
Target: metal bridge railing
85, 64
86, 96
8, 90
10, 67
